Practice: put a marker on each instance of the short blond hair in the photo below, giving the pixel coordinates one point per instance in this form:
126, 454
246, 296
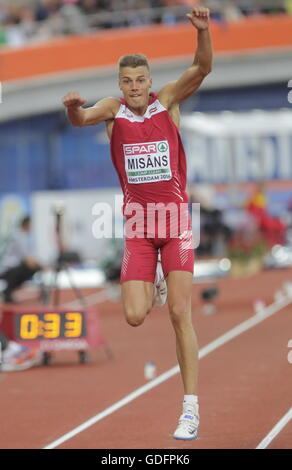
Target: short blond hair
133, 60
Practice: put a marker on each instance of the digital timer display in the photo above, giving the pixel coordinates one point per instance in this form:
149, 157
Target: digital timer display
50, 325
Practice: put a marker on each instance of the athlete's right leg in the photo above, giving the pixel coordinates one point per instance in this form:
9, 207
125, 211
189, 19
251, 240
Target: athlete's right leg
137, 278
137, 298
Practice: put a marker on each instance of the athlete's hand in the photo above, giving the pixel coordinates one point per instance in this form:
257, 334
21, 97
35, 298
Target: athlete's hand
199, 17
73, 99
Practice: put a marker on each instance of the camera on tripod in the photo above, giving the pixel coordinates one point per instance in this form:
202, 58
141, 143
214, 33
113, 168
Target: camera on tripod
59, 208
64, 260
64, 256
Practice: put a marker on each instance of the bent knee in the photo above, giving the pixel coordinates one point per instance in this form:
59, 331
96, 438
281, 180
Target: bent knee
135, 317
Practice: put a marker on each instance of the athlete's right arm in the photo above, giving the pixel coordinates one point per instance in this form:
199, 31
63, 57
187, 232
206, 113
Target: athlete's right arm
103, 110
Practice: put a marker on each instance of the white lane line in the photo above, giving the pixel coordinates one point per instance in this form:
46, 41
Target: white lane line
229, 335
246, 325
276, 430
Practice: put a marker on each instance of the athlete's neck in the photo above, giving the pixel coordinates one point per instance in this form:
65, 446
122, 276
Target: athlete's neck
138, 111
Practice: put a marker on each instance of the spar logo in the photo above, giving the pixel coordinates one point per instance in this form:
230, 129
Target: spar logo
162, 146
140, 149
147, 148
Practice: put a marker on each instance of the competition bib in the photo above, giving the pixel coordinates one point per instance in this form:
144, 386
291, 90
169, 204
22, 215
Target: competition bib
147, 162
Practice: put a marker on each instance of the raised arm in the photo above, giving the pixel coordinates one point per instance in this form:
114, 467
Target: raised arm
103, 110
175, 92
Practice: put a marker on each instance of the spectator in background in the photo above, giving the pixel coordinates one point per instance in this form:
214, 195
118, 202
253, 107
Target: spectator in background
89, 7
18, 263
47, 8
231, 11
258, 200
214, 232
272, 228
74, 21
23, 21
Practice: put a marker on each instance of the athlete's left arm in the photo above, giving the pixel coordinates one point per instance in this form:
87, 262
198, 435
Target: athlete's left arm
175, 92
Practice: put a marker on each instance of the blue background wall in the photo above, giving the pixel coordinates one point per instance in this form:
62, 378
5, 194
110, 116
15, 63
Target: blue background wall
265, 97
46, 152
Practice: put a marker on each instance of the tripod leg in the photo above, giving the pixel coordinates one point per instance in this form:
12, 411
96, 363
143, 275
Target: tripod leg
47, 290
56, 295
77, 292
56, 288
47, 358
83, 357
44, 294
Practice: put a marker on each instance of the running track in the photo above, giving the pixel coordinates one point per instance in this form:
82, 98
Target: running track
245, 385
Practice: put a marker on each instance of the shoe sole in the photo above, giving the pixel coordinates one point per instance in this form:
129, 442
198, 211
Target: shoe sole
20, 367
185, 438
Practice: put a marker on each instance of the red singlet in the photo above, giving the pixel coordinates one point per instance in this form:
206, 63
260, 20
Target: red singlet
149, 158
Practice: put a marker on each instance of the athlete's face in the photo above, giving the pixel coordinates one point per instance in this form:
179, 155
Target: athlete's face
135, 84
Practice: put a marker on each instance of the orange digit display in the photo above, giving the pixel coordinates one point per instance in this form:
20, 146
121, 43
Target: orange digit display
29, 326
73, 325
52, 325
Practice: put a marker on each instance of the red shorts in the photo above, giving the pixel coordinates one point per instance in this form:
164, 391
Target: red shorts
140, 256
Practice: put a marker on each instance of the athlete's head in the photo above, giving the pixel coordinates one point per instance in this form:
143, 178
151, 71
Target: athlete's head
135, 80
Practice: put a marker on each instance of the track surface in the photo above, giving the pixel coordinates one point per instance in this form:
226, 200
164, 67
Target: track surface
244, 385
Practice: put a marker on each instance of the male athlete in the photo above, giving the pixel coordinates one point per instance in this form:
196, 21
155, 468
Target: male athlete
149, 158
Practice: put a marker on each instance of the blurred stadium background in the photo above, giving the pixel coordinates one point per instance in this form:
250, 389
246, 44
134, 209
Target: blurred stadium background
237, 129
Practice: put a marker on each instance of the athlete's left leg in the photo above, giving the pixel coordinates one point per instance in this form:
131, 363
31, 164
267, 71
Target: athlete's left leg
177, 257
178, 263
179, 286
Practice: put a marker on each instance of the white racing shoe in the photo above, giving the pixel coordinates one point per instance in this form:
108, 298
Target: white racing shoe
160, 287
188, 423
